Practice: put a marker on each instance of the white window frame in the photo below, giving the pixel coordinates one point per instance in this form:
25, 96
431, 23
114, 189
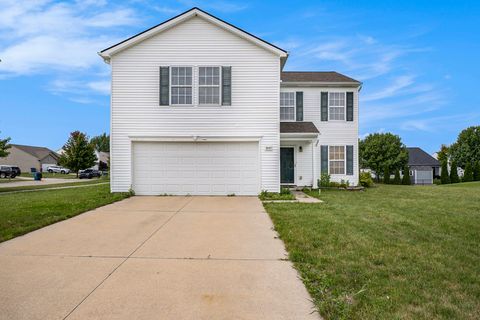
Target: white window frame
181, 86
210, 86
294, 106
344, 160
344, 106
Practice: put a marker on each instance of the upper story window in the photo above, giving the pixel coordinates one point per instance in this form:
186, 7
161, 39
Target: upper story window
336, 105
336, 158
209, 85
287, 106
182, 85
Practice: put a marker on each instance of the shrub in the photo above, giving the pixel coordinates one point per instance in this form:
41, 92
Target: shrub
468, 175
397, 179
437, 181
406, 176
444, 177
386, 175
366, 179
324, 180
284, 191
476, 171
453, 173
344, 183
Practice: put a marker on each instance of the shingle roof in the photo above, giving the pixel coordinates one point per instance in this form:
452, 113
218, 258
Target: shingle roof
315, 76
37, 152
418, 157
298, 127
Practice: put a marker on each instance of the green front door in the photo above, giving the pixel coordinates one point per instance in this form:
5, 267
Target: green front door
287, 174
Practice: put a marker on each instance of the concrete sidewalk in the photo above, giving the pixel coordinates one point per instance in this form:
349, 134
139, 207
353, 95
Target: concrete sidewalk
30, 182
154, 258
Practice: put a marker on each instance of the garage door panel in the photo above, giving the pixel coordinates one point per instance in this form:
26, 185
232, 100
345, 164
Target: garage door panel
196, 168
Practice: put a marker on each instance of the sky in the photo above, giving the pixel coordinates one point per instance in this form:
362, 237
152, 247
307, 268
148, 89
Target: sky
417, 59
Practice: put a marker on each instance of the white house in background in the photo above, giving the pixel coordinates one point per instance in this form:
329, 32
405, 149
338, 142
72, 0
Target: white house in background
200, 106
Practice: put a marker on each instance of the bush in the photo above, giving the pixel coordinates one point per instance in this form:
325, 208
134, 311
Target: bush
437, 181
284, 191
468, 175
476, 171
444, 177
366, 179
397, 179
453, 173
386, 175
406, 177
324, 180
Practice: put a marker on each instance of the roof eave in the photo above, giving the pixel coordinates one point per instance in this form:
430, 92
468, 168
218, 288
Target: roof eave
321, 84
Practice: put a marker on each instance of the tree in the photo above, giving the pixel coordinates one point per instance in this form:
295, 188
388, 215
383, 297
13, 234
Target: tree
442, 154
467, 147
78, 152
386, 176
476, 171
397, 179
101, 142
4, 146
406, 176
453, 173
468, 175
444, 174
381, 150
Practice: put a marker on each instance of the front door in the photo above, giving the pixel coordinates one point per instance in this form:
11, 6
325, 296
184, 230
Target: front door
287, 165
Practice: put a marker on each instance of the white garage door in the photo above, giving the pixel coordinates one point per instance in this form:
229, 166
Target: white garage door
197, 168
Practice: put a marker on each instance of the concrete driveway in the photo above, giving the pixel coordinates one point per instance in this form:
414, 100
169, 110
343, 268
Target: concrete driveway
154, 258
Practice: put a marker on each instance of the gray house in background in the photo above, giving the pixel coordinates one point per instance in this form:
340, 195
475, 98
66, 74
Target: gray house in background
27, 157
423, 167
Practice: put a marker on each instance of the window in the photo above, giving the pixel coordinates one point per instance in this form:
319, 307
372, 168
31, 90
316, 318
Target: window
336, 105
181, 88
287, 106
336, 156
209, 85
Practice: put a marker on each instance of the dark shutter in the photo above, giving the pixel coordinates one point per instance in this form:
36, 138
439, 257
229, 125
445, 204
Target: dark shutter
324, 159
164, 86
350, 160
226, 86
349, 106
299, 106
324, 106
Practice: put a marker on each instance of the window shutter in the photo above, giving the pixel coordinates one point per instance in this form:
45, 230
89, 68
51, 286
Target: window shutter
349, 106
350, 160
299, 106
226, 86
164, 86
324, 106
324, 159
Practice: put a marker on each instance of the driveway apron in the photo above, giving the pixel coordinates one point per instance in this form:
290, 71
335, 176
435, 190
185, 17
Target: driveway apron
154, 258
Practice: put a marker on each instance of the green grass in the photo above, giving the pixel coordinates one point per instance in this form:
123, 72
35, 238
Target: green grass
285, 194
391, 252
21, 213
51, 175
7, 180
54, 185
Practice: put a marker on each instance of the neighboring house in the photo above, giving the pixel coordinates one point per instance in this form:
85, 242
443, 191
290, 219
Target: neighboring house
27, 157
460, 171
103, 159
423, 167
200, 106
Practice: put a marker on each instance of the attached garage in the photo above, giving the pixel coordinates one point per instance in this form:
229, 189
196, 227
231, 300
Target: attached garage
196, 168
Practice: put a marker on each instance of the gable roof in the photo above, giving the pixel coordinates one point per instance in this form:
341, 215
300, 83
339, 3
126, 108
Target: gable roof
194, 12
38, 152
418, 157
316, 76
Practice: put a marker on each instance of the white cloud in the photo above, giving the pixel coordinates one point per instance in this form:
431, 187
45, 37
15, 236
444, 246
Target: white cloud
102, 87
397, 87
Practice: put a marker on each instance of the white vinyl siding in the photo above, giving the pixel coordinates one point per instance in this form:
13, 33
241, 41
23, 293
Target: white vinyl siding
181, 85
287, 106
209, 86
332, 133
336, 159
336, 105
254, 111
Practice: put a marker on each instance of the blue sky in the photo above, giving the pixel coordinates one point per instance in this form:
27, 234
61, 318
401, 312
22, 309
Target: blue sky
417, 59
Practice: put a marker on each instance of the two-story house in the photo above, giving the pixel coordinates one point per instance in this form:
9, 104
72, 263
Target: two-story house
202, 107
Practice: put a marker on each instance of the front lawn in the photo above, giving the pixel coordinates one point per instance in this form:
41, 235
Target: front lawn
391, 252
6, 188
24, 212
51, 175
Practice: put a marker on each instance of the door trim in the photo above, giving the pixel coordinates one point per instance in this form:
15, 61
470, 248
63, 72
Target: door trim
294, 165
